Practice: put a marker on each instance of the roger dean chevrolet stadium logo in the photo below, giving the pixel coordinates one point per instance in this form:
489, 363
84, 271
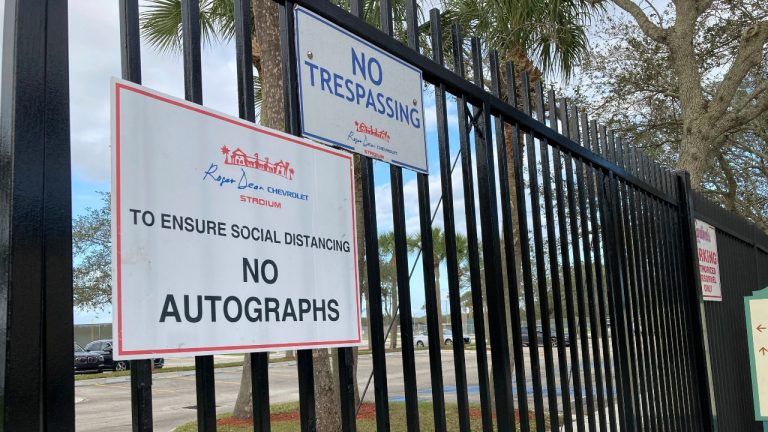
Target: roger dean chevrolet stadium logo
266, 194
239, 158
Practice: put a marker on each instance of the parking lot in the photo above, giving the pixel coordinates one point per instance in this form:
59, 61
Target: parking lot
104, 403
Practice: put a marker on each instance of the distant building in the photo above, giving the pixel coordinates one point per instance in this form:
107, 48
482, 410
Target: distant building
85, 333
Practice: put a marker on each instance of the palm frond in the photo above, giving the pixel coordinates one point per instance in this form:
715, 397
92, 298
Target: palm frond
161, 23
551, 32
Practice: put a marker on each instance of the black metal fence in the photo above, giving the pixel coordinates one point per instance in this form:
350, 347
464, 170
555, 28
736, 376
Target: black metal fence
743, 253
578, 233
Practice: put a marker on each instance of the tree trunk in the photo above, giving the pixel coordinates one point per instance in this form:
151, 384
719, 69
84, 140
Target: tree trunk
395, 315
694, 157
266, 39
360, 234
326, 392
244, 403
267, 36
439, 302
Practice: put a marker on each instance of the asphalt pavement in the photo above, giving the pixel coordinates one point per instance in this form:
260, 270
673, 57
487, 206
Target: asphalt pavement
105, 404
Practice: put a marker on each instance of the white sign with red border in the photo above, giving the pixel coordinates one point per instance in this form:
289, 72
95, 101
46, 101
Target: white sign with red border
227, 237
355, 96
709, 262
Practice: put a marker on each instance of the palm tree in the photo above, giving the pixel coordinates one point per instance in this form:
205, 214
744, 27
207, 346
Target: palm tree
388, 278
539, 36
439, 254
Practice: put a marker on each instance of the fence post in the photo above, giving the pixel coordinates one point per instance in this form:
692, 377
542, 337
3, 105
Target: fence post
696, 303
36, 334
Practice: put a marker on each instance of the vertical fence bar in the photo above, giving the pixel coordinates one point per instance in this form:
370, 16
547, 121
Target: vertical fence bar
642, 301
347, 389
700, 343
554, 263
243, 58
404, 299
635, 350
489, 218
665, 284
246, 107
260, 391
617, 279
472, 243
655, 264
193, 92
504, 145
675, 307
141, 395
678, 280
432, 295
356, 7
450, 236
525, 247
649, 286
374, 293
347, 356
307, 415
374, 287
568, 283
650, 323
435, 337
686, 376
583, 322
130, 42
588, 230
509, 244
141, 370
58, 391
541, 269
401, 253
449, 227
600, 277
672, 315
679, 347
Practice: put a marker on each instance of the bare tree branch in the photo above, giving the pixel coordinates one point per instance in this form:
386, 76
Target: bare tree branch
702, 5
650, 29
658, 15
749, 55
755, 106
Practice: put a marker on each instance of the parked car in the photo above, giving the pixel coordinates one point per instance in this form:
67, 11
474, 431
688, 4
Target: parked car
448, 338
422, 340
104, 348
540, 336
86, 361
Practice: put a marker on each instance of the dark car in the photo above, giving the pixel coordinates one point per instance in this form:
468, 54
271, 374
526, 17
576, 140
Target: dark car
87, 361
104, 347
540, 336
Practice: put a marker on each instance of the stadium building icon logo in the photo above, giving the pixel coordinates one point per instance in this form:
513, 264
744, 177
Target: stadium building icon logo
239, 158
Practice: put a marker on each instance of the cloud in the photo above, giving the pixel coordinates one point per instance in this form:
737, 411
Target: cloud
94, 44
